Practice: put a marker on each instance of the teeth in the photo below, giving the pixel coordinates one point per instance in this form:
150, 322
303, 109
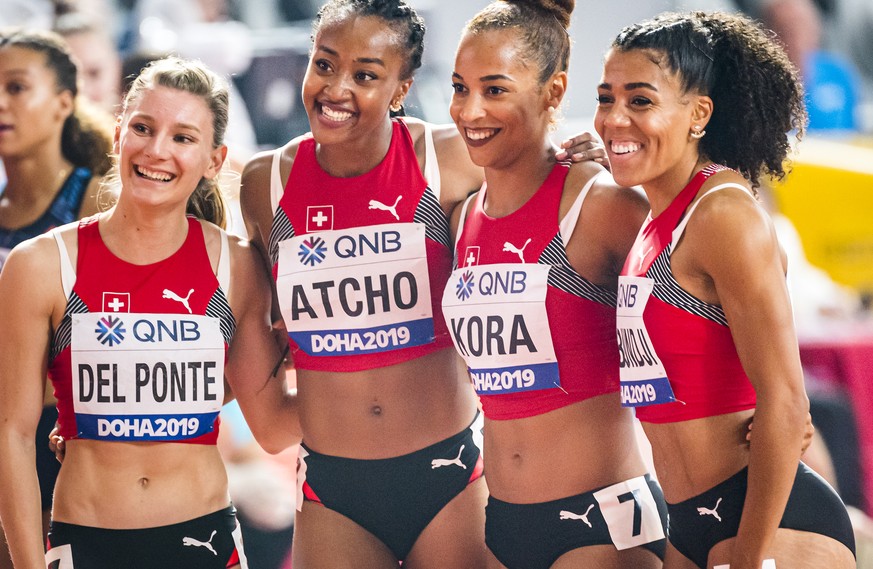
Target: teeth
625, 147
481, 133
333, 115
154, 175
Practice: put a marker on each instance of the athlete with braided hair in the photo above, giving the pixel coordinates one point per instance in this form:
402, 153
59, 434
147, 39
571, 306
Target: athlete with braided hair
353, 218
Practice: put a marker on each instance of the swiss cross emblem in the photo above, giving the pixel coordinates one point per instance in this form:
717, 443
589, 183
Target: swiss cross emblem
116, 302
319, 218
471, 256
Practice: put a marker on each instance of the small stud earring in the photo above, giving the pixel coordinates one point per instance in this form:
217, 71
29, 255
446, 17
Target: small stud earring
697, 134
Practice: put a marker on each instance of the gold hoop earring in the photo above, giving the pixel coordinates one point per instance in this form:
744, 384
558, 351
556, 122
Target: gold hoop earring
697, 134
395, 106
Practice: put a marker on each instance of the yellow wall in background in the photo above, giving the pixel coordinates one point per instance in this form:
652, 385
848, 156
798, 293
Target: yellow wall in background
829, 197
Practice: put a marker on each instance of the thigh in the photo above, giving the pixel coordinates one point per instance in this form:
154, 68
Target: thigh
325, 539
795, 550
675, 560
608, 557
456, 536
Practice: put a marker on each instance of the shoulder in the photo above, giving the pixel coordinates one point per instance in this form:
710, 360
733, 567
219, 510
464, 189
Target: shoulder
605, 196
244, 259
730, 203
259, 167
458, 175
730, 219
32, 270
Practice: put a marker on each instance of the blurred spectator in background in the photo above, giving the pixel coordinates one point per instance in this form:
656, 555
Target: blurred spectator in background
98, 58
831, 42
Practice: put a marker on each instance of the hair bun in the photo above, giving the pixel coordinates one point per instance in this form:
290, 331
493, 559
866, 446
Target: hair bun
560, 9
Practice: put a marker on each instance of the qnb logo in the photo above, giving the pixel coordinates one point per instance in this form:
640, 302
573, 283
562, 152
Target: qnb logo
110, 331
312, 251
465, 286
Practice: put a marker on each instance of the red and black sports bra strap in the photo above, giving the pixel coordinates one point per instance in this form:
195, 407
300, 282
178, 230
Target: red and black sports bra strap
657, 233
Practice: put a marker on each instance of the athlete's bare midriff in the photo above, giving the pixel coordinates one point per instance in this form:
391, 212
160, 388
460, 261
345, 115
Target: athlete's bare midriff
118, 485
385, 412
575, 449
693, 456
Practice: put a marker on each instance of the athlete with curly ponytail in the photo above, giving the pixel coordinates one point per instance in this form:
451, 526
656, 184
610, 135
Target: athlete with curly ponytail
697, 108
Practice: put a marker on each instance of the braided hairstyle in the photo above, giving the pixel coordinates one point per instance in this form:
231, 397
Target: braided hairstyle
400, 17
542, 26
86, 136
756, 91
207, 201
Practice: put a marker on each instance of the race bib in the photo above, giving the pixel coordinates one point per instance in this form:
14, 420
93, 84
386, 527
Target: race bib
146, 377
498, 323
356, 291
631, 513
643, 379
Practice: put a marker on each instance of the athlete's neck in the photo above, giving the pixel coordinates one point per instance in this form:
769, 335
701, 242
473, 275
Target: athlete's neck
510, 186
356, 156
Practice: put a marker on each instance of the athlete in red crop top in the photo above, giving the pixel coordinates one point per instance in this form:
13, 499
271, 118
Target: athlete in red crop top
132, 312
530, 308
353, 217
360, 262
704, 320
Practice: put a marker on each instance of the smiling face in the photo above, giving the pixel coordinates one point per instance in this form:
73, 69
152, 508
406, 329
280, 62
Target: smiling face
164, 145
498, 104
354, 75
32, 109
644, 119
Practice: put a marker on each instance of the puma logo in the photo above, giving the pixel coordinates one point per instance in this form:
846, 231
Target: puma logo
509, 247
392, 209
173, 296
191, 542
712, 512
568, 515
438, 462
642, 257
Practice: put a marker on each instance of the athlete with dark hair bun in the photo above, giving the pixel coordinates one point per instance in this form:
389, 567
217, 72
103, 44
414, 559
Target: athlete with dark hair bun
353, 217
531, 308
697, 108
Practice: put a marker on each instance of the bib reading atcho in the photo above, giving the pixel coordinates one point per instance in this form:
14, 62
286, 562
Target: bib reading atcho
356, 291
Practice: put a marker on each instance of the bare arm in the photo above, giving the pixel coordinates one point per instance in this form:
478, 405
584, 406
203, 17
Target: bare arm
29, 284
269, 406
736, 247
608, 225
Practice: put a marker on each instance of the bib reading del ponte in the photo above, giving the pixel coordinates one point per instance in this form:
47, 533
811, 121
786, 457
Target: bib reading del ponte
356, 291
146, 377
498, 322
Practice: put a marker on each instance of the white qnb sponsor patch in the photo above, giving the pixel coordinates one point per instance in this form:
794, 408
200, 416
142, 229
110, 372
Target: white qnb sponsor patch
643, 378
355, 291
146, 376
498, 322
